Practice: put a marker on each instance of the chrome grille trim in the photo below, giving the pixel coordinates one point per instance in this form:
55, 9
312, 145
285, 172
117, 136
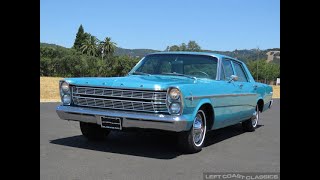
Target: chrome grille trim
120, 99
124, 93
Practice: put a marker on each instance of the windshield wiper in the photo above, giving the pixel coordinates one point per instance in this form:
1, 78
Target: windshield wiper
178, 74
140, 73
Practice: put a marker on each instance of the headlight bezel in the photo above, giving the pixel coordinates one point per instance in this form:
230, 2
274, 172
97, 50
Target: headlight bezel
178, 100
64, 92
174, 92
63, 99
176, 111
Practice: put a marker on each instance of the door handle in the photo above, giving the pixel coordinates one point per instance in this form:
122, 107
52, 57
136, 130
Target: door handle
255, 86
240, 85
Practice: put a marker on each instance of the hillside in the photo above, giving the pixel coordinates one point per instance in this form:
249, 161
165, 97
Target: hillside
118, 52
252, 54
133, 52
245, 55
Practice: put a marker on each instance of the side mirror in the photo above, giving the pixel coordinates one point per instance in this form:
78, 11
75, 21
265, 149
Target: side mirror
233, 78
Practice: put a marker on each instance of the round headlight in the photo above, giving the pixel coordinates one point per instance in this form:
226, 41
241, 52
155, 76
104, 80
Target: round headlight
175, 108
65, 87
66, 99
174, 94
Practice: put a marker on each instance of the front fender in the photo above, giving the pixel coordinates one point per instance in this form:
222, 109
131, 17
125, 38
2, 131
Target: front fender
194, 109
199, 104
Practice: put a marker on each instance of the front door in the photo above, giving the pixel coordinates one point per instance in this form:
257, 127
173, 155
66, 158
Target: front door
227, 103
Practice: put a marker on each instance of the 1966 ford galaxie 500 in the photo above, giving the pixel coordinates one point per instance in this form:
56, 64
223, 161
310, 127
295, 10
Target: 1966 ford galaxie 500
186, 92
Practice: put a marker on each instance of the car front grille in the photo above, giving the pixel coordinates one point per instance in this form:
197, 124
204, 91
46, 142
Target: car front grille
120, 99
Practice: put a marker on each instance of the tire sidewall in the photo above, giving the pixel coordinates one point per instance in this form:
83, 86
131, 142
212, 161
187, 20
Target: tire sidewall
257, 118
247, 125
186, 141
204, 118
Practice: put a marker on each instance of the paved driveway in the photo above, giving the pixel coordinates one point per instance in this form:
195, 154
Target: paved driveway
65, 154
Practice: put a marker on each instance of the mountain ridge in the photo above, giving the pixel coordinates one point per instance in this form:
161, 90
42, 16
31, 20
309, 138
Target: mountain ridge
271, 54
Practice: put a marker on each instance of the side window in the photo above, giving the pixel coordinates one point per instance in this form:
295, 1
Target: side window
240, 72
227, 68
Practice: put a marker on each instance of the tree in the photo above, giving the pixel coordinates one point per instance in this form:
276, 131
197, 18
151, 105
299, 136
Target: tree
107, 47
193, 46
174, 48
80, 38
183, 47
123, 64
236, 53
89, 46
266, 71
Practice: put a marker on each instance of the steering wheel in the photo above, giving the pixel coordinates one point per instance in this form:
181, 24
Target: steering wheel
195, 72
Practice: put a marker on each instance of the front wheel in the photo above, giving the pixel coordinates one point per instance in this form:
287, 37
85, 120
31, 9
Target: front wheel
192, 141
252, 123
93, 131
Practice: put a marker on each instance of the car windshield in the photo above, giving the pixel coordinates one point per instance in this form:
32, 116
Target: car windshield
185, 65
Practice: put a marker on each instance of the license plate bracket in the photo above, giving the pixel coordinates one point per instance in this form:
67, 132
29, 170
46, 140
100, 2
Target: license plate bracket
111, 122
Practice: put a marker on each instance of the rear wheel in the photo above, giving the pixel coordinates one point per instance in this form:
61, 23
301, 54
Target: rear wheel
192, 141
252, 123
93, 131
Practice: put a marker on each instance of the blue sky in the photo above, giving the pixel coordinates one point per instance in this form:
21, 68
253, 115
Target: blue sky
213, 24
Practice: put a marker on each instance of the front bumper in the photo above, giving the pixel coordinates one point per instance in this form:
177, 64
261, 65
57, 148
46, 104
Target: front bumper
129, 119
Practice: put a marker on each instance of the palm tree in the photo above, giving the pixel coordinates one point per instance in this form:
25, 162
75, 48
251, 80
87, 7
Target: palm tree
107, 47
90, 46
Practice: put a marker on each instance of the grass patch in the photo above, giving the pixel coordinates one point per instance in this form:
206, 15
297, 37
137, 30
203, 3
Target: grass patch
49, 89
276, 91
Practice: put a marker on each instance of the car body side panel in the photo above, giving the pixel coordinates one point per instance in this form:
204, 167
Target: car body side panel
230, 104
264, 93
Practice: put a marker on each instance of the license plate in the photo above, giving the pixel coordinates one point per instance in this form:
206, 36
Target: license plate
111, 122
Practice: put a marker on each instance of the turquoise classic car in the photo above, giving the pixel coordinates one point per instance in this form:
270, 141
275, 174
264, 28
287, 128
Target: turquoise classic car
189, 93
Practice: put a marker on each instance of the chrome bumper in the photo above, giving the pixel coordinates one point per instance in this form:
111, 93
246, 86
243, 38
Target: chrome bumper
129, 119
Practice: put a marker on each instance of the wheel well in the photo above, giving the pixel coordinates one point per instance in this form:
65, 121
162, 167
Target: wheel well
260, 105
209, 114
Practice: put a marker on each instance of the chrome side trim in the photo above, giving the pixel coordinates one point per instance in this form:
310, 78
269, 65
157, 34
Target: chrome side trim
129, 119
235, 105
220, 95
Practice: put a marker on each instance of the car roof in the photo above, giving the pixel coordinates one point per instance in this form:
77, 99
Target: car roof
196, 53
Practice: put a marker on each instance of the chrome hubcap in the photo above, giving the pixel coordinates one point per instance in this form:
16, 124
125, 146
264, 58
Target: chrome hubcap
199, 128
255, 118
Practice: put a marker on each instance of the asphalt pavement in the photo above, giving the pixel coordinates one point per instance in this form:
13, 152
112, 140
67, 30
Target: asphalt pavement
66, 154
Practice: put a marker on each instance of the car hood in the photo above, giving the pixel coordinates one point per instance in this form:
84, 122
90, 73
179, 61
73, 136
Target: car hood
153, 82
